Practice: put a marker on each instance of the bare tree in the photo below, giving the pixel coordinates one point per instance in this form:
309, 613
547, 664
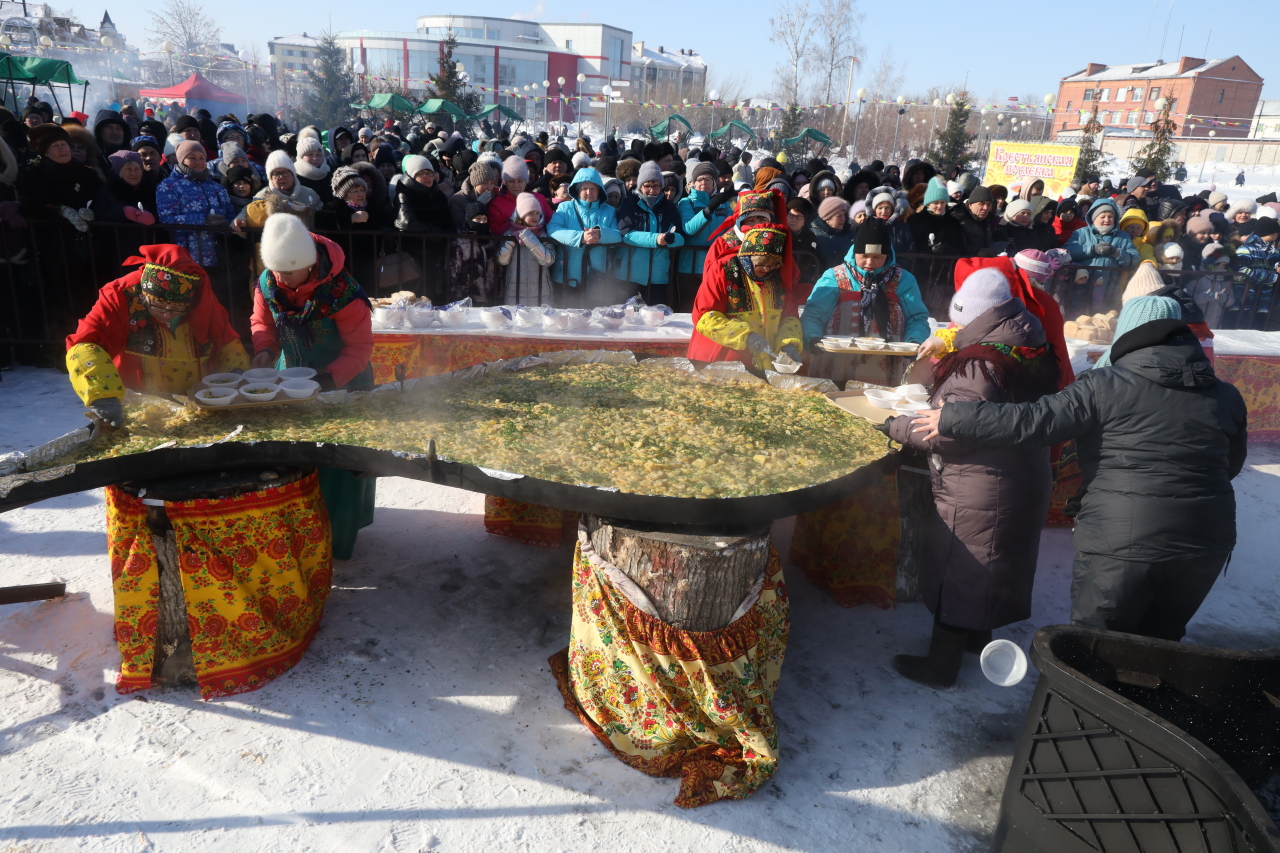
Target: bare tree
184, 23
835, 42
792, 27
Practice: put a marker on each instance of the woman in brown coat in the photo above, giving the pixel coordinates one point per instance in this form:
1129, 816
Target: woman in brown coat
991, 503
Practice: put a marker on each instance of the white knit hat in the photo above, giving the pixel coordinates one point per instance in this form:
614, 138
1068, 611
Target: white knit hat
307, 144
980, 292
880, 199
1216, 198
581, 160
954, 187
417, 163
286, 244
279, 160
1016, 207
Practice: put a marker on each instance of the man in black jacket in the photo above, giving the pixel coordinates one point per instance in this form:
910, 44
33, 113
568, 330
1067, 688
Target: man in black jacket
1160, 438
977, 226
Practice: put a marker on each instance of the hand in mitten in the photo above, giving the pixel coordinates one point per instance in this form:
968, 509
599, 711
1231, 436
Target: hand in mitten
1104, 250
74, 218
86, 214
528, 238
758, 343
110, 410
884, 427
791, 352
485, 197
139, 217
326, 382
721, 198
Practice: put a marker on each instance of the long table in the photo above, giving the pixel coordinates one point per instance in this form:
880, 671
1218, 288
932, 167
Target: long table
435, 350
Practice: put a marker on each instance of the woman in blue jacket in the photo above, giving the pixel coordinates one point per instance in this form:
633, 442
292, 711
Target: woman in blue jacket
701, 213
584, 225
650, 224
1102, 244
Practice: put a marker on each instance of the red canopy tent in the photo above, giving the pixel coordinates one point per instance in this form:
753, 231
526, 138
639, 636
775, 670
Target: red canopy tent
195, 93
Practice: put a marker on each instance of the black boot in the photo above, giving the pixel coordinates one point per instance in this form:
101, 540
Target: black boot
977, 641
940, 667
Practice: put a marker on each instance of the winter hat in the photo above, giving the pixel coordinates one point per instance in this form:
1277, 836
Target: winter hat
581, 160
703, 168
527, 203
1216, 198
1140, 311
881, 198
275, 160
1144, 282
953, 187
1249, 207
1198, 225
482, 173
416, 163
310, 131
344, 180
1266, 211
1213, 253
239, 173
1016, 207
475, 209
232, 151
1036, 264
872, 238
187, 148
606, 164
307, 144
831, 205
286, 244
365, 133
120, 158
858, 207
44, 135
649, 171
185, 123
514, 168
1261, 227
936, 191
1170, 253
980, 292
980, 194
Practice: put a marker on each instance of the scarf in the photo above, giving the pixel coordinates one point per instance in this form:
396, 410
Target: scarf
195, 176
311, 173
1023, 374
874, 315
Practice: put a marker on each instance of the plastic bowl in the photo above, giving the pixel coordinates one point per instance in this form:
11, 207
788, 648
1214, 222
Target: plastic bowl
493, 318
881, 399
268, 375
652, 316
297, 373
869, 343
579, 321
921, 400
299, 389
555, 322
452, 319
786, 368
387, 317
216, 396
260, 392
904, 390
420, 318
1003, 662
223, 380
903, 346
907, 407
610, 322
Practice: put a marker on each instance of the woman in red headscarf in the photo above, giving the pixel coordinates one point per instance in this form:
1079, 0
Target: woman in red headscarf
157, 329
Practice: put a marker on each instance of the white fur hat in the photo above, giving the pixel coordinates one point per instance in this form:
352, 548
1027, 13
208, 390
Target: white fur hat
279, 160
286, 244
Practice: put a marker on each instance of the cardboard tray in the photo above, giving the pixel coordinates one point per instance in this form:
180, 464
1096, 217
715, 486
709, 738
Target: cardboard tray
855, 351
856, 403
243, 402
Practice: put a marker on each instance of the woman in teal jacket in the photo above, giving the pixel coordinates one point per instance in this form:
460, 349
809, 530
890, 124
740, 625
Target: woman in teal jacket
584, 225
650, 224
701, 213
1100, 245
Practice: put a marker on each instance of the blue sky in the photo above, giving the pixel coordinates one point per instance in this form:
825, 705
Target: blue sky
1006, 47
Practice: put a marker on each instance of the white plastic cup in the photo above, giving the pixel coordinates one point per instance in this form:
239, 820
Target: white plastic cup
1003, 662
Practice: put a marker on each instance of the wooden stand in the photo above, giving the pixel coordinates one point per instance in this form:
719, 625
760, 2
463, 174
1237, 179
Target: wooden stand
696, 579
915, 504
173, 663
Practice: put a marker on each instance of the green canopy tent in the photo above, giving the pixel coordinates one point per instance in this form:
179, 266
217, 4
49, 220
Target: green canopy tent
502, 111
397, 103
50, 72
439, 105
12, 73
810, 133
732, 126
660, 130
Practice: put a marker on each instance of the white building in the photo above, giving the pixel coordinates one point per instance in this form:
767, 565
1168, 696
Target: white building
1266, 121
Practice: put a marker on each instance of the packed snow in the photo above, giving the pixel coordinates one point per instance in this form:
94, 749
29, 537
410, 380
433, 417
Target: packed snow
424, 716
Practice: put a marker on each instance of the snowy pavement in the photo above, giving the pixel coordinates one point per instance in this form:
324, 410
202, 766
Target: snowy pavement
424, 716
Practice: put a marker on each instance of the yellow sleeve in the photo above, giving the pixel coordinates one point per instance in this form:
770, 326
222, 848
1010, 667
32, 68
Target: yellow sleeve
232, 357
93, 373
722, 330
948, 338
790, 334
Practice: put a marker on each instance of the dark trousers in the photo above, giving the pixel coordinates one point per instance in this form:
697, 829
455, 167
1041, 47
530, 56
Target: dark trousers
1151, 599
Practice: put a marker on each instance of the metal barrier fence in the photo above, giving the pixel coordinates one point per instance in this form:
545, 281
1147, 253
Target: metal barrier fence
50, 275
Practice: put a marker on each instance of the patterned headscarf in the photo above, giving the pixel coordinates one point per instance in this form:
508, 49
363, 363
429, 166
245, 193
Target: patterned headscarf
166, 284
762, 241
749, 203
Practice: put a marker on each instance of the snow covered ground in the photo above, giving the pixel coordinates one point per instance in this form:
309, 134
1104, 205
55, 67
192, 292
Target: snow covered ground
424, 716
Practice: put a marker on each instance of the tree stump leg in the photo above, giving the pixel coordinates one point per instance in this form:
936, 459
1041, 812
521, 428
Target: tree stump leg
695, 580
915, 503
173, 663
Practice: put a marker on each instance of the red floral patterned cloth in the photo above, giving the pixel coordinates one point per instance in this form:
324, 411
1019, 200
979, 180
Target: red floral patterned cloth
256, 571
1258, 380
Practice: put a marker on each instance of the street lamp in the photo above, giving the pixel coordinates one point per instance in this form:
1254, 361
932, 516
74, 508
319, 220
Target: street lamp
714, 95
105, 41
607, 91
169, 48
359, 70
862, 93
937, 102
848, 92
1212, 134
245, 56
900, 100
560, 100
582, 78
546, 103
1049, 100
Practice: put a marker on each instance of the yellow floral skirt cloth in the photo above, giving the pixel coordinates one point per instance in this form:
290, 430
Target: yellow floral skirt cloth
256, 571
697, 705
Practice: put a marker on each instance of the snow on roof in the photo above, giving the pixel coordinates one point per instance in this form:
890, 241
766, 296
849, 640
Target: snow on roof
669, 58
299, 39
1142, 71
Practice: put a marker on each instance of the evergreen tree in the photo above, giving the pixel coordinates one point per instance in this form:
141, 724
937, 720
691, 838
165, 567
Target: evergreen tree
1157, 155
327, 103
792, 124
1091, 161
451, 86
952, 144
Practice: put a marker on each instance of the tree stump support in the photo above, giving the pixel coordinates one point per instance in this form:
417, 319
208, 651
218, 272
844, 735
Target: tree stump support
915, 505
695, 578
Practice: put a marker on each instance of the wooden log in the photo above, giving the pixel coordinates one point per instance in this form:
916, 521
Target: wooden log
31, 592
915, 505
695, 579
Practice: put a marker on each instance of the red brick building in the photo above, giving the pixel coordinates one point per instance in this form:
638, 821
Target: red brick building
1225, 89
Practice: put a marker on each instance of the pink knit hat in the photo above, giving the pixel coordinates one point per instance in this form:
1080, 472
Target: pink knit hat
188, 147
527, 203
832, 204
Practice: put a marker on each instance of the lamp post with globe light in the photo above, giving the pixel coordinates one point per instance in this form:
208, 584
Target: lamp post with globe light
169, 48
1049, 100
245, 56
861, 93
582, 78
714, 95
900, 100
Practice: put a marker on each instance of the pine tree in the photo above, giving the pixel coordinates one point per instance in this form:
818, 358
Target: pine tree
327, 103
1157, 155
952, 145
1091, 161
792, 124
451, 86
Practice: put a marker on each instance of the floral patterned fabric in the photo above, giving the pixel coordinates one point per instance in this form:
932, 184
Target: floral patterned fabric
431, 355
256, 571
1257, 378
697, 705
528, 523
850, 548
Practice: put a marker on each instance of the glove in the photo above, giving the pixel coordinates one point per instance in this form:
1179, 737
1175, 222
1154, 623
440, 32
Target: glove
86, 214
74, 218
110, 410
720, 199
792, 352
758, 343
884, 427
1104, 250
485, 197
140, 217
527, 238
326, 382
